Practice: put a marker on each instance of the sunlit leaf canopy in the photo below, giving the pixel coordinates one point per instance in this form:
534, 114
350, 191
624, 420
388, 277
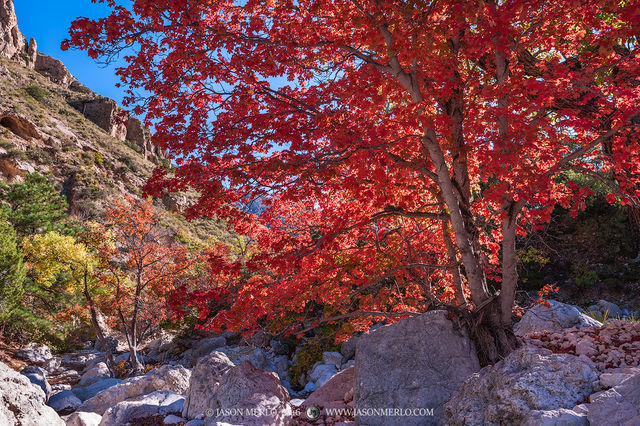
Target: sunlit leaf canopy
405, 135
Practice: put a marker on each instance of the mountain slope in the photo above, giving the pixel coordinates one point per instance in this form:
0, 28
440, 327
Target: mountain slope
87, 146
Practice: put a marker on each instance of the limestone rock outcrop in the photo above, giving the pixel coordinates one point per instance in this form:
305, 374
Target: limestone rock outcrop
12, 42
416, 363
22, 403
54, 69
556, 317
136, 132
619, 405
19, 126
32, 53
106, 114
528, 379
204, 382
117, 122
173, 378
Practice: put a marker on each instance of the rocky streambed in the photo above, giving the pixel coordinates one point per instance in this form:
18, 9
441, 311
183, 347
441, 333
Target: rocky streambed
570, 369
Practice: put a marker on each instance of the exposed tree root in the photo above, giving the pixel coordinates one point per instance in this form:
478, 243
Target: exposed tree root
493, 339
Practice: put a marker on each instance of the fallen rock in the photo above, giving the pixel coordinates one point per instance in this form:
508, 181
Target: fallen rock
22, 403
332, 358
80, 360
65, 402
38, 376
188, 358
348, 364
172, 419
309, 387
334, 390
161, 402
416, 363
611, 346
94, 389
98, 372
67, 376
279, 365
110, 341
616, 376
605, 308
173, 378
208, 345
617, 406
559, 417
35, 353
559, 316
322, 373
527, 379
59, 388
160, 344
348, 348
238, 354
204, 382
54, 366
581, 408
250, 396
80, 418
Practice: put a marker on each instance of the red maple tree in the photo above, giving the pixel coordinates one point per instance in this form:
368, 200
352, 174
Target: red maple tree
409, 145
138, 269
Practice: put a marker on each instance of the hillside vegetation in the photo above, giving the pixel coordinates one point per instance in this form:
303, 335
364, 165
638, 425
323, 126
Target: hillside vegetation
59, 171
41, 132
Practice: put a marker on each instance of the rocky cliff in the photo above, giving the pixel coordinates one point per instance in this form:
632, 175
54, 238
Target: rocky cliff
87, 145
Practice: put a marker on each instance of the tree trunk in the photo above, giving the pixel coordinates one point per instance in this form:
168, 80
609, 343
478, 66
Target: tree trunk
96, 325
135, 363
493, 337
461, 300
470, 257
492, 326
509, 260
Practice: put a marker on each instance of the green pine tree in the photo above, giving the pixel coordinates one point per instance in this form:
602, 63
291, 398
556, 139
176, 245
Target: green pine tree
34, 206
12, 271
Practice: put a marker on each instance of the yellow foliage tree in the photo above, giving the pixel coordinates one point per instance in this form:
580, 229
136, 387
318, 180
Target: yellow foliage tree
53, 256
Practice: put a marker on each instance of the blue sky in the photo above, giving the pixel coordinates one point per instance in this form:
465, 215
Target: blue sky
48, 22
